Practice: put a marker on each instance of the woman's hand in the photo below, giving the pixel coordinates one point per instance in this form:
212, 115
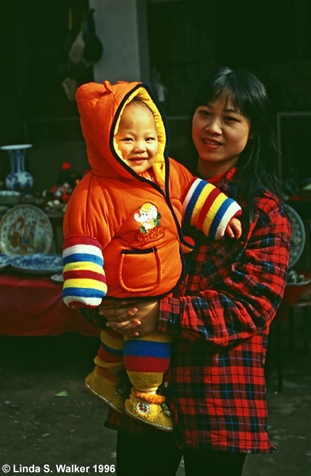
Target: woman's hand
134, 319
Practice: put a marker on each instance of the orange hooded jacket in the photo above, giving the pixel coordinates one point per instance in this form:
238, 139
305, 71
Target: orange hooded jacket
121, 229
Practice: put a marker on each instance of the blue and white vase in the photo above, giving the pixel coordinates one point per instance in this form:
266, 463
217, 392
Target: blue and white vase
18, 179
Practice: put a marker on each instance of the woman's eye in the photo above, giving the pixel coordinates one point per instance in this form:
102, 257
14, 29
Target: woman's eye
231, 119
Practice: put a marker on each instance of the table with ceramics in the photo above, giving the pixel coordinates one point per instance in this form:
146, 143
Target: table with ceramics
31, 278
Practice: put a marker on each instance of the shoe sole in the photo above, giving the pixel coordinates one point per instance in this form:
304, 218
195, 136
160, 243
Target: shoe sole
110, 404
159, 427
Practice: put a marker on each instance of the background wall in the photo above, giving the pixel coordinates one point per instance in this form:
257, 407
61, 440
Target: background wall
171, 43
271, 38
122, 27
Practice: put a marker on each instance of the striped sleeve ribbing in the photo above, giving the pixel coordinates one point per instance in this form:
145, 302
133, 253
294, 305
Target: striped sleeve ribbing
208, 209
84, 276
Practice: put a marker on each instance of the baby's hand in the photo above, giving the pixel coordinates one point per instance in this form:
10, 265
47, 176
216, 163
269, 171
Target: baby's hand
234, 228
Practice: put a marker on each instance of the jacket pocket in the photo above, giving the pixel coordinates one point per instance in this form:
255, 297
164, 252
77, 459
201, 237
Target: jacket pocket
140, 270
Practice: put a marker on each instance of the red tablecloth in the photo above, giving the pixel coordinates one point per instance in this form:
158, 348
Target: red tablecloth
31, 305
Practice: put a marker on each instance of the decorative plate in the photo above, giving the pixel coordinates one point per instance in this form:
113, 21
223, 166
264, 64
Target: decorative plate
58, 278
24, 230
5, 260
298, 235
38, 263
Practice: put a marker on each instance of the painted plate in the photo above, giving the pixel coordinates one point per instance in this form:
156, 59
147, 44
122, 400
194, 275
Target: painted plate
58, 278
38, 263
25, 229
5, 260
298, 235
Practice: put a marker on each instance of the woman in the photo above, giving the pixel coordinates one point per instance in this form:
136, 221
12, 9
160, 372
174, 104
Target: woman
220, 319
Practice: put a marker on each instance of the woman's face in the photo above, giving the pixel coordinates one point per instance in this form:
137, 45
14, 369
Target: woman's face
220, 133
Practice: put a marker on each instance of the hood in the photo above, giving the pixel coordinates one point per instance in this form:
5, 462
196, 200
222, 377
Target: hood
100, 107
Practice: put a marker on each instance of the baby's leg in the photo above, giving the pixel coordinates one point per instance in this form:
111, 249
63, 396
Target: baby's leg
110, 352
104, 381
146, 360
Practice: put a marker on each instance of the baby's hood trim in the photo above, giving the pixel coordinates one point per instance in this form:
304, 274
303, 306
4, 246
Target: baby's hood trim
100, 107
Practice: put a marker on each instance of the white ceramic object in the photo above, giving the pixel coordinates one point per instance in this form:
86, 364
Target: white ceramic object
18, 179
9, 198
38, 263
5, 260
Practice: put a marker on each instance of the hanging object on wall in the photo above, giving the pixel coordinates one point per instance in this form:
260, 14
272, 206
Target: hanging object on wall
159, 88
70, 86
83, 52
76, 51
93, 47
87, 47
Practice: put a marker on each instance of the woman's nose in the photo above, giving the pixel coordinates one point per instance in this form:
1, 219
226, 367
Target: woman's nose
214, 126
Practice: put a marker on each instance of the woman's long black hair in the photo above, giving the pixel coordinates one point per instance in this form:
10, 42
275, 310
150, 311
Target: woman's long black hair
259, 163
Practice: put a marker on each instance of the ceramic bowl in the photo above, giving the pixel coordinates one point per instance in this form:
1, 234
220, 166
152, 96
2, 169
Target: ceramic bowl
9, 198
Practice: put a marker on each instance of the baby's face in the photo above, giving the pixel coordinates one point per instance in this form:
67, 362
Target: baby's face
137, 138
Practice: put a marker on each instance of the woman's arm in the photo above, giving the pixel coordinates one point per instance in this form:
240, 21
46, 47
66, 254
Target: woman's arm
231, 298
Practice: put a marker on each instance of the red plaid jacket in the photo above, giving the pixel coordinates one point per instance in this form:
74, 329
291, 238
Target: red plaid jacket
220, 324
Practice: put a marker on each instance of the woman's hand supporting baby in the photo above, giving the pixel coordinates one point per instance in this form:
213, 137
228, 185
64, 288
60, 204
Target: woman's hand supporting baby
131, 318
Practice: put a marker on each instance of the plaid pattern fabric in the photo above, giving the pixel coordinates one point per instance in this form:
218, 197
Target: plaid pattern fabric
220, 324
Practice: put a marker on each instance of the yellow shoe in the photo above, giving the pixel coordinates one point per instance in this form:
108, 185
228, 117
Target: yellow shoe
104, 385
149, 408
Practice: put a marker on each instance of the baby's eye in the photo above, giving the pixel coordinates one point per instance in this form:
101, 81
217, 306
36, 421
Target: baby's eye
150, 139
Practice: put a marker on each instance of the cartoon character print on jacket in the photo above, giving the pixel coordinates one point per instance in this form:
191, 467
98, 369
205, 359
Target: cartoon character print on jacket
148, 217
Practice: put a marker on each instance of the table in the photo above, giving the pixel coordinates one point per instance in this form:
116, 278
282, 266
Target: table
32, 305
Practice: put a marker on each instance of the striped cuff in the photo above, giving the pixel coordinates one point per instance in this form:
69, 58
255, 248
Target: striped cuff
84, 276
208, 209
